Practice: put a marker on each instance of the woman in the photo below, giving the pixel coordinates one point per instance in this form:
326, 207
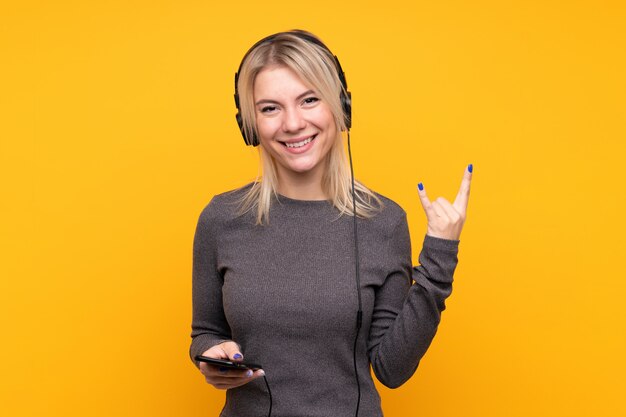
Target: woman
275, 260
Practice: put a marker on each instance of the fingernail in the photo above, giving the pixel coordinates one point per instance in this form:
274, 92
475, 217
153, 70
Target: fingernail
420, 186
470, 168
249, 373
237, 356
262, 372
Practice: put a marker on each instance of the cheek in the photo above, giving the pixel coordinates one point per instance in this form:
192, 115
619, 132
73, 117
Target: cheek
325, 118
266, 127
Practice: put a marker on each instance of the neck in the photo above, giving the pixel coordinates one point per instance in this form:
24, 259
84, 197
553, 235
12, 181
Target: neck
303, 194
301, 188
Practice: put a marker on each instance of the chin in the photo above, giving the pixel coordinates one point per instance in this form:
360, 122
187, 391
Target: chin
301, 169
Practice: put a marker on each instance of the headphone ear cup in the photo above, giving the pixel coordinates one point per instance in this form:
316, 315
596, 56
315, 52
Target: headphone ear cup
346, 104
254, 141
240, 124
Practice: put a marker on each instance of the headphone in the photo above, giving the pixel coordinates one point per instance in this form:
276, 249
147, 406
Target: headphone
345, 95
346, 104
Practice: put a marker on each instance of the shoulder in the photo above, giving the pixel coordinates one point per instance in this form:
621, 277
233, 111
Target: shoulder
223, 206
391, 213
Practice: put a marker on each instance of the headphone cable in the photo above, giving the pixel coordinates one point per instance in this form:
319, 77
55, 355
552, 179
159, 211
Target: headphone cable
269, 414
359, 314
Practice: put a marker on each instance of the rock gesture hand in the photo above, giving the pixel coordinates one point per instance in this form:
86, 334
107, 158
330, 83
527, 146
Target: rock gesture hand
446, 220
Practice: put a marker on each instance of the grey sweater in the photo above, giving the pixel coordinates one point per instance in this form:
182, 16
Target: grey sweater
286, 292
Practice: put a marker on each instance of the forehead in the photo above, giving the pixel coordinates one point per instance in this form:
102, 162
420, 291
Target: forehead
279, 80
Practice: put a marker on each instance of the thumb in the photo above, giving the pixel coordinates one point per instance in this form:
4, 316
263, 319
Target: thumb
232, 350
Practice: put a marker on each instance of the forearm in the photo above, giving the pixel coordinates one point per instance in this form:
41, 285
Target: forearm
209, 326
396, 357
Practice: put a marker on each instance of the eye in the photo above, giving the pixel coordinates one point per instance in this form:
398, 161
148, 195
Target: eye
268, 109
311, 100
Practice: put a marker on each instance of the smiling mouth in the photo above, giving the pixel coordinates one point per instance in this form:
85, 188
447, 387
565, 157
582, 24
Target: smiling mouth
301, 143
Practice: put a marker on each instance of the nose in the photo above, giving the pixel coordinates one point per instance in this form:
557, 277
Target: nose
293, 120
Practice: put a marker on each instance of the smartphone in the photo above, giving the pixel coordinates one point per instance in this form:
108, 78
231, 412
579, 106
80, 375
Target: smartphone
227, 364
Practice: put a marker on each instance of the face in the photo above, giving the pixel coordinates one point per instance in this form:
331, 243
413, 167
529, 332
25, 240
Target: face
294, 125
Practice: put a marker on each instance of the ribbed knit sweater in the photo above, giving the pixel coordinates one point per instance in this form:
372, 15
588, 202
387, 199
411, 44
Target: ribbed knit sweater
286, 293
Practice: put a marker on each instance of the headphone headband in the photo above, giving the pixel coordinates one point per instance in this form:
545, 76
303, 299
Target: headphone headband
345, 95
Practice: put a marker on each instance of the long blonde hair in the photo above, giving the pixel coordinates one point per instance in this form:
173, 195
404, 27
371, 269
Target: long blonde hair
315, 65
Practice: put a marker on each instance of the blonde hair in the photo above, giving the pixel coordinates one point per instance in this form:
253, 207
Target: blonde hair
314, 64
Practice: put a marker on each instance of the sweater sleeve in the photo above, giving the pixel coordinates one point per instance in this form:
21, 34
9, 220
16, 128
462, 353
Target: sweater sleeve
408, 305
208, 326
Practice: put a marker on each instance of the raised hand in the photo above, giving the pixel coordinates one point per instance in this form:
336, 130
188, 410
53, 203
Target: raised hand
446, 220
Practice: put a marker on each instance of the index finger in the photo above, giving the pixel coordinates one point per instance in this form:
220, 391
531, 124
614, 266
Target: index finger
462, 198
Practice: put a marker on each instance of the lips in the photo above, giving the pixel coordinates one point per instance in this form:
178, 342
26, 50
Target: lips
299, 141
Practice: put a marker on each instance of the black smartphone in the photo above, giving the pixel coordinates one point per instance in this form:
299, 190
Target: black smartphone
227, 364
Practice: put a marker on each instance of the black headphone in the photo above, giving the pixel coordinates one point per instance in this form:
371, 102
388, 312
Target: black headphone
345, 96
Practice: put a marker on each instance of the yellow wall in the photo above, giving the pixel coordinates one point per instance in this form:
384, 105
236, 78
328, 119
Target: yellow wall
117, 126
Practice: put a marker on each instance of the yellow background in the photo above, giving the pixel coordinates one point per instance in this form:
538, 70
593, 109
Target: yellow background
117, 127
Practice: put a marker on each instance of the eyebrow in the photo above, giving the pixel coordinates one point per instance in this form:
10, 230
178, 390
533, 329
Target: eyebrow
306, 93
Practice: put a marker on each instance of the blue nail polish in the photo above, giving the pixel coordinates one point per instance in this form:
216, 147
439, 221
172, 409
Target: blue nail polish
237, 356
470, 168
420, 186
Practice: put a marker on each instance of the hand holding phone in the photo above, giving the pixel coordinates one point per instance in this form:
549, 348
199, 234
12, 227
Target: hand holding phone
223, 367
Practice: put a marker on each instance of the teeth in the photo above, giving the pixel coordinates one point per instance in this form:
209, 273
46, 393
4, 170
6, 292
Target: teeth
299, 144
